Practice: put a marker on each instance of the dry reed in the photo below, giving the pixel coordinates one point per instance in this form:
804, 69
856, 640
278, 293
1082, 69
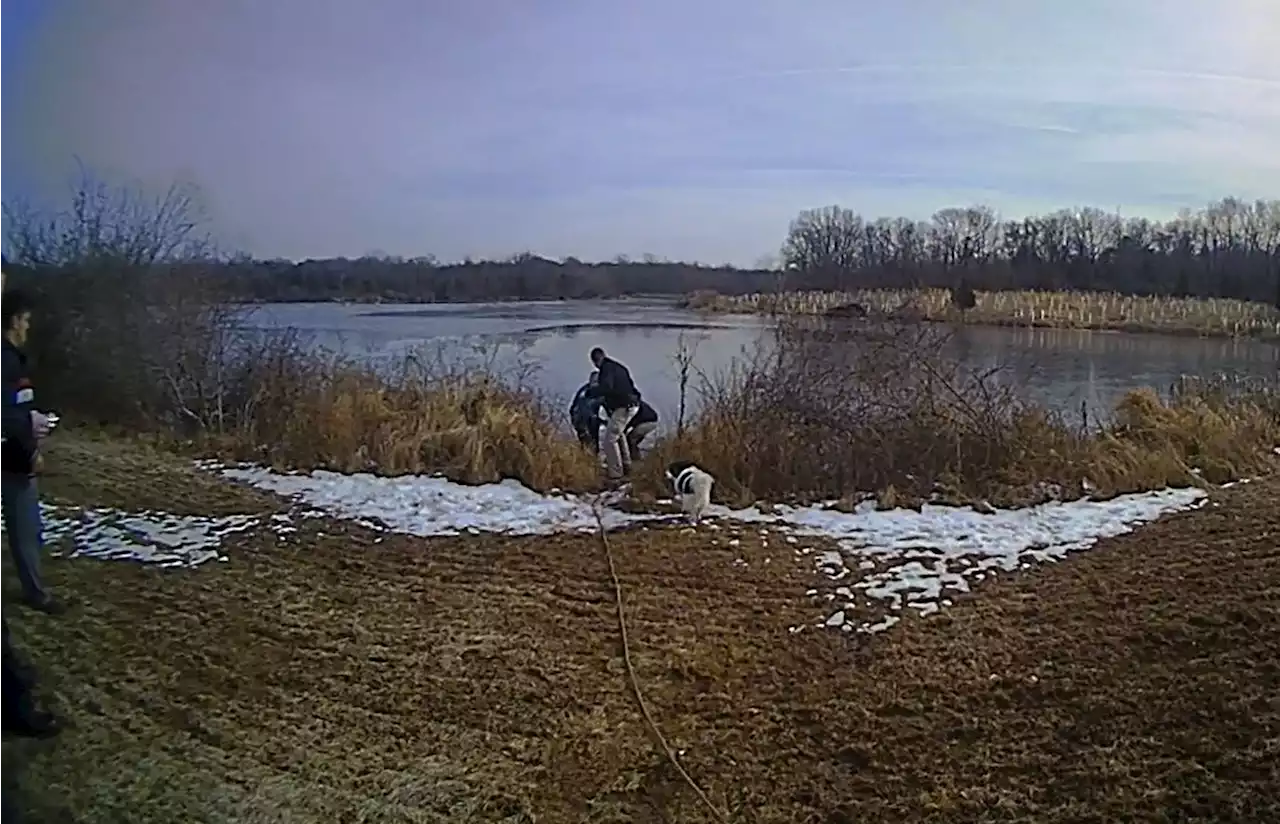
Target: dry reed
472, 426
1208, 317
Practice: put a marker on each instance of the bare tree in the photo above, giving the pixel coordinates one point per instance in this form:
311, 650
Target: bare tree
824, 245
685, 356
134, 325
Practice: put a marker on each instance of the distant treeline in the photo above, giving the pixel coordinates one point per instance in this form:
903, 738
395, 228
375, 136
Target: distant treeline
1229, 249
523, 277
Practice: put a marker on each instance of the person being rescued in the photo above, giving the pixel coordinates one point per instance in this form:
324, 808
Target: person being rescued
584, 413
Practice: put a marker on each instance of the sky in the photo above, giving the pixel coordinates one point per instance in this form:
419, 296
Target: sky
688, 129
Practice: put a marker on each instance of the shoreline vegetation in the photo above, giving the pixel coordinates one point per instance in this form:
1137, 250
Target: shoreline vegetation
1092, 311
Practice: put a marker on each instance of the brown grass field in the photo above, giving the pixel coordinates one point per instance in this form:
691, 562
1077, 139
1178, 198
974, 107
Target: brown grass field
329, 679
1204, 317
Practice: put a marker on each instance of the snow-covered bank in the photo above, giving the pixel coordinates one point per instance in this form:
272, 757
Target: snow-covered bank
901, 558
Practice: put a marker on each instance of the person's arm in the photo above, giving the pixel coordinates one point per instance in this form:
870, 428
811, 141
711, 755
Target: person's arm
576, 404
17, 424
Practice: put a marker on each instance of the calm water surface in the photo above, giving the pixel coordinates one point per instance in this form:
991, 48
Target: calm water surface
1062, 368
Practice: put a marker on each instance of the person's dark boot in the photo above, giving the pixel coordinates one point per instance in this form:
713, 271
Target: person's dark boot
48, 605
18, 713
33, 724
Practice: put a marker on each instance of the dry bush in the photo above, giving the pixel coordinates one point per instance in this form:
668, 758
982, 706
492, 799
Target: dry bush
1218, 317
130, 328
1213, 433
826, 409
427, 414
833, 410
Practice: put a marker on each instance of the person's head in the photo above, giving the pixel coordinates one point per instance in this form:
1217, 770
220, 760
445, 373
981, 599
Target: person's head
594, 377
17, 315
597, 356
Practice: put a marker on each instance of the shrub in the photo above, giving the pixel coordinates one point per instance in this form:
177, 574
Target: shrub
835, 410
471, 425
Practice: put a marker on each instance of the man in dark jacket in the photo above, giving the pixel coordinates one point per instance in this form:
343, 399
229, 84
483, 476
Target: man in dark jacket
24, 427
620, 400
584, 414
644, 422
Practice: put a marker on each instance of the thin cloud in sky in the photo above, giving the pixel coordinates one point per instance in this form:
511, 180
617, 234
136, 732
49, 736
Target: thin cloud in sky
688, 129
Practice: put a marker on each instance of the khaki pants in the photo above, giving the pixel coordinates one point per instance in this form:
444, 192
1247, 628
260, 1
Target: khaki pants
613, 441
636, 435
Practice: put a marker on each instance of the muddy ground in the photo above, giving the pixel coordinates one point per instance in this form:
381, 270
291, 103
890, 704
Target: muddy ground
338, 675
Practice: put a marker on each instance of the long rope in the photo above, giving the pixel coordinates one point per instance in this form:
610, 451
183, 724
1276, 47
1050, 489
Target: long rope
631, 672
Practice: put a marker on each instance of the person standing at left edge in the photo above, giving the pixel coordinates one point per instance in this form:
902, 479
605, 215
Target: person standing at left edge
24, 427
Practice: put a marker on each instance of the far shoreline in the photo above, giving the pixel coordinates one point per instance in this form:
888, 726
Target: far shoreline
1210, 319
1262, 324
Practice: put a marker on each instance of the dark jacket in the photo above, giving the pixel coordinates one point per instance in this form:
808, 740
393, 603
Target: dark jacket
615, 388
645, 414
19, 449
584, 412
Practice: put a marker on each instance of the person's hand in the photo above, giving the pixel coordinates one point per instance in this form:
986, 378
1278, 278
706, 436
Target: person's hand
37, 464
40, 424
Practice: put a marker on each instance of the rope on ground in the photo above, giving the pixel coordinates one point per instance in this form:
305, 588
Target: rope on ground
631, 671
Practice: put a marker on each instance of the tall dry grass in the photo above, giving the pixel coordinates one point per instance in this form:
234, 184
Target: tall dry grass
425, 414
831, 411
1209, 317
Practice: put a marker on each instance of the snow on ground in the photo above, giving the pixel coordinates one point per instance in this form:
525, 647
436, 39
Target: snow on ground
426, 506
899, 559
890, 561
146, 537
916, 559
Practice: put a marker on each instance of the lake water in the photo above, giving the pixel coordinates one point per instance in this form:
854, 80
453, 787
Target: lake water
1061, 368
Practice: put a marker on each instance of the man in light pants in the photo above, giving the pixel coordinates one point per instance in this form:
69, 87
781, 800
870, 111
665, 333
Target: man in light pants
24, 428
620, 400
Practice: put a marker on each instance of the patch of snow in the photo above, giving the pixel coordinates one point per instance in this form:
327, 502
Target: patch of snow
425, 506
940, 549
159, 538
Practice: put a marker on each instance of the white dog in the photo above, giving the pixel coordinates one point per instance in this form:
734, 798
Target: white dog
692, 487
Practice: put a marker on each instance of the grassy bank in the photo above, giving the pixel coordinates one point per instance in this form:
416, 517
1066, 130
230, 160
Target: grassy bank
817, 413
348, 675
471, 423
807, 417
1212, 317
